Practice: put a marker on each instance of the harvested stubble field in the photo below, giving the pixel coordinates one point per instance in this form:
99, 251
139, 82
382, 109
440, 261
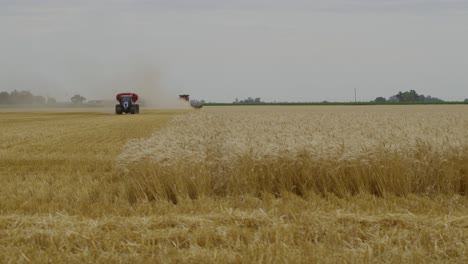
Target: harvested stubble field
244, 184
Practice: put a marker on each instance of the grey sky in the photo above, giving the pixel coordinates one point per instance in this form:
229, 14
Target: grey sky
218, 50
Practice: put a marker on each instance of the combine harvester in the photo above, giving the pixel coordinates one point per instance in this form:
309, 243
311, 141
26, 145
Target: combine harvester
186, 97
127, 103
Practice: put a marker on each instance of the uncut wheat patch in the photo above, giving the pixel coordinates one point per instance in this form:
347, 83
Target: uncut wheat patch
340, 150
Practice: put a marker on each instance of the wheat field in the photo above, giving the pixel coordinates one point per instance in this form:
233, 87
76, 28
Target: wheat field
321, 184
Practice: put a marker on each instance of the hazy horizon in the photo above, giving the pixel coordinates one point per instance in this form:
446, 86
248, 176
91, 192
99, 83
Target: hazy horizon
221, 50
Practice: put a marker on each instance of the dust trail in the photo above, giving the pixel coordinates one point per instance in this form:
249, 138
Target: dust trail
100, 81
145, 81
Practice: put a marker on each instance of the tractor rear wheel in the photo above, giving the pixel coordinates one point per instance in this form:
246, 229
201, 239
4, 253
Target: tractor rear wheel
137, 106
118, 109
132, 110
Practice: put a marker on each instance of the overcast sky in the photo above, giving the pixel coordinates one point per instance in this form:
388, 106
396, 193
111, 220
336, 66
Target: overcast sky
218, 50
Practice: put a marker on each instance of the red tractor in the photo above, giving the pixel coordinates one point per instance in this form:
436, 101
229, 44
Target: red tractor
127, 104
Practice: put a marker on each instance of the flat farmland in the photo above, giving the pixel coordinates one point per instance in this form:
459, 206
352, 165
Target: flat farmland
295, 184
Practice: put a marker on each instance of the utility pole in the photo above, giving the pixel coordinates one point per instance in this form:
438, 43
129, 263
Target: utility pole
355, 97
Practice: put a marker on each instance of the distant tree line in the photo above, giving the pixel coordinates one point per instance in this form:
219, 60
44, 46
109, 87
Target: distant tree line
410, 96
197, 102
249, 100
24, 97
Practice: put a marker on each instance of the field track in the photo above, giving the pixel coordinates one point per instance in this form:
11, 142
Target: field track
64, 199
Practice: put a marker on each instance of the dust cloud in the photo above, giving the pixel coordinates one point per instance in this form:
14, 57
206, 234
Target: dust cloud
144, 79
95, 80
94, 54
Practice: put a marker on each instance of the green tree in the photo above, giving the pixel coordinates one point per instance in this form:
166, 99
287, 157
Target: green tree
380, 100
21, 97
399, 96
410, 96
77, 99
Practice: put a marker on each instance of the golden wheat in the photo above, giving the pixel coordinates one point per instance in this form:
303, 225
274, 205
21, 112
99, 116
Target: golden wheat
272, 131
343, 150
